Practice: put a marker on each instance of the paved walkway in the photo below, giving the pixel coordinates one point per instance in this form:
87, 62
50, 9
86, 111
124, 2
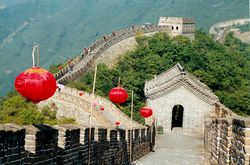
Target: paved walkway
176, 148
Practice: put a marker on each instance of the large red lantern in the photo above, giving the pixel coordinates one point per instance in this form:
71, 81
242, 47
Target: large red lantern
146, 112
36, 84
118, 95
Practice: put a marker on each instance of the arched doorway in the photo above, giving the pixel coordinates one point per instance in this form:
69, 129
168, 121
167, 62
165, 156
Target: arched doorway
177, 116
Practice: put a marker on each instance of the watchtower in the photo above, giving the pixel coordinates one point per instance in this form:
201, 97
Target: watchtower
179, 99
179, 26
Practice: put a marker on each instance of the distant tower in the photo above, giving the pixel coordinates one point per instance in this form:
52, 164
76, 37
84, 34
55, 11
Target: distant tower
179, 26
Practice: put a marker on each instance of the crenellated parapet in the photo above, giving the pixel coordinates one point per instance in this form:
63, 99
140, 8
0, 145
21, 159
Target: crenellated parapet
71, 144
227, 140
88, 56
179, 25
96, 49
69, 103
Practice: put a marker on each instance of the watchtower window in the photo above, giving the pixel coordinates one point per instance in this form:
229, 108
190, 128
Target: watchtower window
172, 28
177, 27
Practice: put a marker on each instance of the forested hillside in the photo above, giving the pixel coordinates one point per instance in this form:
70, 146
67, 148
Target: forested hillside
64, 27
224, 68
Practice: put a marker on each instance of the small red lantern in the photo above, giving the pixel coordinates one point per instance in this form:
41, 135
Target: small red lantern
101, 108
118, 95
80, 94
60, 67
117, 123
146, 112
36, 84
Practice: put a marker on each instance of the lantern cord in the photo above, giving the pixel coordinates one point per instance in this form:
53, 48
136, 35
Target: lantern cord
131, 125
114, 83
35, 51
119, 81
90, 117
119, 106
38, 55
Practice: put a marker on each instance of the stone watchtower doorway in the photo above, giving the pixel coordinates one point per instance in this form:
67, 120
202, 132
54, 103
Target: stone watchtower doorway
179, 100
177, 116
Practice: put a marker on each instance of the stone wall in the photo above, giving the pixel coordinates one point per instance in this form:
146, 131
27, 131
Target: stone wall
98, 47
71, 104
227, 141
89, 55
70, 144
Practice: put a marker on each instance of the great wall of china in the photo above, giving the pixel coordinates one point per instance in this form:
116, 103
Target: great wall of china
226, 135
220, 30
100, 47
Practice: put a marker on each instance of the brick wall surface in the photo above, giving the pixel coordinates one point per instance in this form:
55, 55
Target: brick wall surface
70, 145
227, 141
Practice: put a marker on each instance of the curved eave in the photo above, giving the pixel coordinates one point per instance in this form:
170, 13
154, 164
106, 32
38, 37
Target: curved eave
203, 94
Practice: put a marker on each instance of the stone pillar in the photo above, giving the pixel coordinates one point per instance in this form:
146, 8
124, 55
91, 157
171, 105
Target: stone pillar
41, 144
130, 144
143, 136
240, 148
102, 147
114, 146
136, 144
11, 144
68, 144
225, 142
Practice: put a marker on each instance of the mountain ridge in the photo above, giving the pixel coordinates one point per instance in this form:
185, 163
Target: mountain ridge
64, 28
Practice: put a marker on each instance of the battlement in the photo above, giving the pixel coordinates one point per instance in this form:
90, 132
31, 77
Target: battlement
70, 144
227, 140
175, 20
89, 55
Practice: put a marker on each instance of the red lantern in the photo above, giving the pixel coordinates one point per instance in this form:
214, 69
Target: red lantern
36, 84
80, 94
60, 67
118, 95
117, 123
101, 108
146, 112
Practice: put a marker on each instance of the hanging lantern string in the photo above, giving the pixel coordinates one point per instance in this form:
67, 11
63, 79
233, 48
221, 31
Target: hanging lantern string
114, 83
119, 81
29, 40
